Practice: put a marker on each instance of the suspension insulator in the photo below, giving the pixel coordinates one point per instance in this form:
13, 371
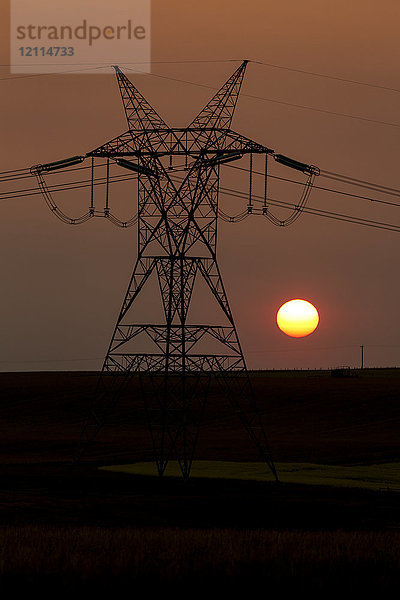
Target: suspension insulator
295, 164
59, 164
221, 158
127, 164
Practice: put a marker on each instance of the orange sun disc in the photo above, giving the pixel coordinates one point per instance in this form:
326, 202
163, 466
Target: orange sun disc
297, 318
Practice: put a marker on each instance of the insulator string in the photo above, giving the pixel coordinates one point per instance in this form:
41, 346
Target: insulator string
265, 183
46, 192
106, 208
92, 187
327, 174
91, 212
250, 205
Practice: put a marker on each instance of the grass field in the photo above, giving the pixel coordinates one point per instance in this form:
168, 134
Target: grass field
375, 477
107, 524
97, 560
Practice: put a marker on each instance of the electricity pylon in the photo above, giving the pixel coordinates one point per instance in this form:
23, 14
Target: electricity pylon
177, 247
177, 243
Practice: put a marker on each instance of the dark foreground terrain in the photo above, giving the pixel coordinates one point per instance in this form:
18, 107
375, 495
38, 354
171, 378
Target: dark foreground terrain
66, 527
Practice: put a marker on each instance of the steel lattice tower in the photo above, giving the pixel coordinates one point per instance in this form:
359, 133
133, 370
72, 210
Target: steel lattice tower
177, 244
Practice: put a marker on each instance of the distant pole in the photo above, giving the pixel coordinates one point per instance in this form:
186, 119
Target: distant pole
362, 356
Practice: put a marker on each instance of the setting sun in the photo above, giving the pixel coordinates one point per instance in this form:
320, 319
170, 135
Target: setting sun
297, 318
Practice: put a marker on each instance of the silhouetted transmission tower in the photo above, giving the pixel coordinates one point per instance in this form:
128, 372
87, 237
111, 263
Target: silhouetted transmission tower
177, 243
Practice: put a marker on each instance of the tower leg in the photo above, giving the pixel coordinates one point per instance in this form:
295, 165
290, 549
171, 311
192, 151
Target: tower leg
175, 379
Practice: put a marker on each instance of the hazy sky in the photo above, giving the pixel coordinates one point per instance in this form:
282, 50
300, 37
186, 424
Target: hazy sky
62, 286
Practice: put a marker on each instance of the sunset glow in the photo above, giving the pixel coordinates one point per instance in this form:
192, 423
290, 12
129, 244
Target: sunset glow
297, 318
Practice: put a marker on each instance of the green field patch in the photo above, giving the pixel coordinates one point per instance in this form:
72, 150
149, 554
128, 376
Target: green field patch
375, 476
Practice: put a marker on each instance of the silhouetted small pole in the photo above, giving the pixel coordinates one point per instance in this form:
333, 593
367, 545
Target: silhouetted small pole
362, 356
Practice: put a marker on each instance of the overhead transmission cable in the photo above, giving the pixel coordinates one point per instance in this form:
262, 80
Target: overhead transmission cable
313, 211
256, 97
395, 192
296, 208
275, 101
325, 76
228, 60
343, 179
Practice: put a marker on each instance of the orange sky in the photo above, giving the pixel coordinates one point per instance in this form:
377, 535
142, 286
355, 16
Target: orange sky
63, 286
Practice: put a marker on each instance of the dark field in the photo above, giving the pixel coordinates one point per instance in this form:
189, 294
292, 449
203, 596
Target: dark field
72, 526
309, 416
99, 561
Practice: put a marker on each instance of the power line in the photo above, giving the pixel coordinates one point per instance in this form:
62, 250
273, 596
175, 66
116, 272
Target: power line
224, 190
97, 66
324, 75
316, 187
346, 179
57, 73
64, 187
273, 100
256, 62
358, 182
145, 62
26, 173
304, 209
316, 211
60, 187
255, 97
322, 110
13, 171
